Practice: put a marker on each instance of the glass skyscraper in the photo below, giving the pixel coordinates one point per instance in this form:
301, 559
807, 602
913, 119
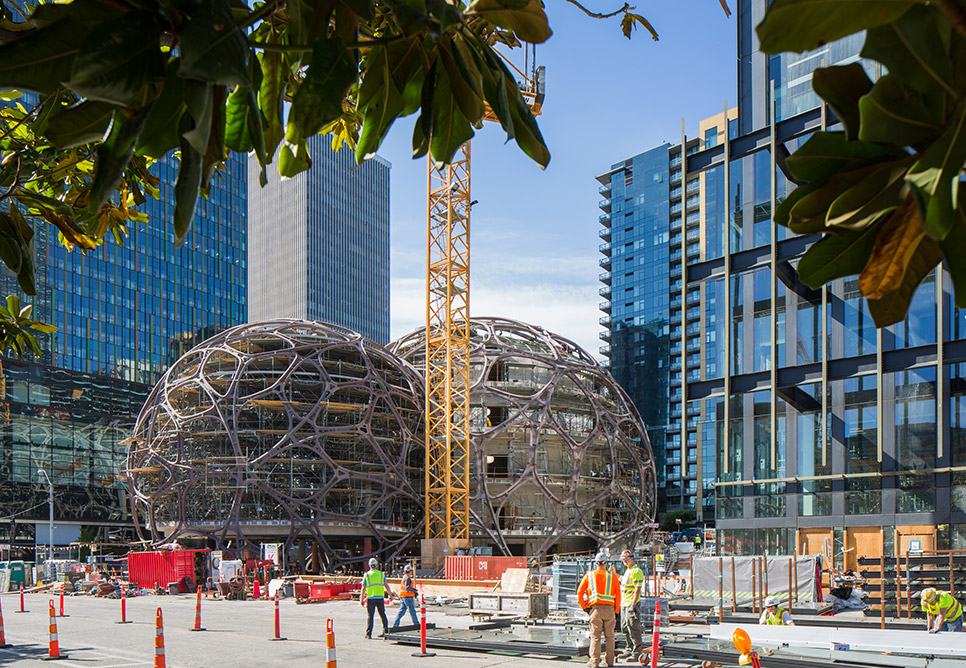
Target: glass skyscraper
124, 313
810, 429
329, 261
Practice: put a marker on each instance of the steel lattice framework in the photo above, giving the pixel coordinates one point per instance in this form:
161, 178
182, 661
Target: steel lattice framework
446, 348
557, 449
304, 428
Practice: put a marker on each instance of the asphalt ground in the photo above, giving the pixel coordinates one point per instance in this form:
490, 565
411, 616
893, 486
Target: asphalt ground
238, 634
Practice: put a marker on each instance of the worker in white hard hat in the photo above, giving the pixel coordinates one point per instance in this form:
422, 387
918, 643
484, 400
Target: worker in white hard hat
774, 614
599, 594
943, 611
374, 590
407, 597
631, 583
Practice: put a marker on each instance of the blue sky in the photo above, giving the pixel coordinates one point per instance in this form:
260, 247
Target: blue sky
534, 232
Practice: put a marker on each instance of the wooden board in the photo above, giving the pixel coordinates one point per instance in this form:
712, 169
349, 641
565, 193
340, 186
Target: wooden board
514, 580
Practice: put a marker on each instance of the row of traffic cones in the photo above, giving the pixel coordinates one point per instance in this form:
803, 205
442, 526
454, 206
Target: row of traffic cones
159, 661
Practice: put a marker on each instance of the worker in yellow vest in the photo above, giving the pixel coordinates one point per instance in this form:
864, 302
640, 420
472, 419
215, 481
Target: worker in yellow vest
374, 590
943, 611
774, 614
599, 593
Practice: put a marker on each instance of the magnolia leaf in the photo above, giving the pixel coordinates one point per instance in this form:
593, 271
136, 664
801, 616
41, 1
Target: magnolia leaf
79, 124
826, 153
529, 23
630, 21
160, 132
809, 213
802, 25
899, 246
784, 208
198, 99
914, 49
379, 100
113, 156
271, 96
892, 113
118, 60
836, 256
319, 99
881, 191
465, 87
935, 177
291, 163
213, 49
842, 86
42, 59
451, 129
186, 189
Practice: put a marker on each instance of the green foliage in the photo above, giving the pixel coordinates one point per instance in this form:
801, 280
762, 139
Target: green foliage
125, 83
885, 192
668, 520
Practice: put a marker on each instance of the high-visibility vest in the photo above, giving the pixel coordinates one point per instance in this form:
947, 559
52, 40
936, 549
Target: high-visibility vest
778, 619
408, 587
374, 583
601, 588
632, 580
945, 600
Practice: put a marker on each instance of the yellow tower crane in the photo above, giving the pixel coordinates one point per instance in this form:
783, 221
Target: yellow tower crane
447, 370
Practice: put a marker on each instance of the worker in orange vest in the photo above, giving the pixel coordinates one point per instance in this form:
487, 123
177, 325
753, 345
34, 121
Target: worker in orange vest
407, 597
599, 594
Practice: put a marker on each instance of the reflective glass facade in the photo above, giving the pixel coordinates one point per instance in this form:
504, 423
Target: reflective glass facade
331, 262
811, 428
124, 313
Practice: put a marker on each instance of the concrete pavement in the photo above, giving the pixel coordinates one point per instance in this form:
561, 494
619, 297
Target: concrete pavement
238, 635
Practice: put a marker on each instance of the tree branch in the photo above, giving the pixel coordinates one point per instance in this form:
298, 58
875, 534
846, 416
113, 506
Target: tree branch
955, 13
596, 15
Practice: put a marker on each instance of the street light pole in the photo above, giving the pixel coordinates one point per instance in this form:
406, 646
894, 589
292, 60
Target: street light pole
50, 518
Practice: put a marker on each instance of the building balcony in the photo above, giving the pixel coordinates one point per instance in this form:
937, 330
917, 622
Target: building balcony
605, 351
693, 186
604, 262
675, 270
693, 234
694, 298
604, 248
605, 292
604, 219
604, 204
605, 278
604, 190
605, 321
604, 336
605, 307
604, 234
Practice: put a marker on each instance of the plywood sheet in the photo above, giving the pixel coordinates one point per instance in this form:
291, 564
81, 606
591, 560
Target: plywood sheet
514, 580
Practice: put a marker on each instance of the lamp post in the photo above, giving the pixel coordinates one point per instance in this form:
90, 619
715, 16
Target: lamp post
50, 518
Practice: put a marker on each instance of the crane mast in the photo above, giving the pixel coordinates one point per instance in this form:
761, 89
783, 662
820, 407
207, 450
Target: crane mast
447, 369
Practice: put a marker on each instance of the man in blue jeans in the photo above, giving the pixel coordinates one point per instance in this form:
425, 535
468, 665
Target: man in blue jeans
407, 597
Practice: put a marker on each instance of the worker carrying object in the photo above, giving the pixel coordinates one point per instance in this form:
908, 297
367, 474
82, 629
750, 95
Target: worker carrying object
775, 615
631, 627
407, 597
943, 611
374, 589
599, 594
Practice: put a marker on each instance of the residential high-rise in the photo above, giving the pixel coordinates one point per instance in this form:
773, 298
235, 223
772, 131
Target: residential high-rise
124, 313
320, 242
823, 433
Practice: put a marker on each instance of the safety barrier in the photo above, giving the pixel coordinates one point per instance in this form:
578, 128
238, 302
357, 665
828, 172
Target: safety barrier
422, 629
124, 619
656, 642
329, 645
62, 606
22, 608
53, 651
278, 624
197, 626
3, 638
159, 641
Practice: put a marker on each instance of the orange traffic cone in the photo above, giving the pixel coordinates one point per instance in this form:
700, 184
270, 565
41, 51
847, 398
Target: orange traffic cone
256, 590
159, 641
53, 653
197, 626
329, 645
3, 639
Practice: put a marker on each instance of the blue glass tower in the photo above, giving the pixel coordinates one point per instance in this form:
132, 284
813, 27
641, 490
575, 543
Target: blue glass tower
124, 313
321, 242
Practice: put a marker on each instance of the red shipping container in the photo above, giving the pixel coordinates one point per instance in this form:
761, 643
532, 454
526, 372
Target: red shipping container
480, 567
150, 569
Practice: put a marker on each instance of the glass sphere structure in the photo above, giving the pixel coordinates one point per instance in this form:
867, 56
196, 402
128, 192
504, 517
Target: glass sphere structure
284, 429
558, 450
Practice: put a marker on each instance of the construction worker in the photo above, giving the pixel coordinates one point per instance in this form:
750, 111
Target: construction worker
407, 597
774, 615
374, 589
943, 611
599, 594
631, 583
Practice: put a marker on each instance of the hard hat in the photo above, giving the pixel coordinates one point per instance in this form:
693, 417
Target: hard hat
770, 601
601, 558
929, 595
373, 562
408, 568
626, 553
